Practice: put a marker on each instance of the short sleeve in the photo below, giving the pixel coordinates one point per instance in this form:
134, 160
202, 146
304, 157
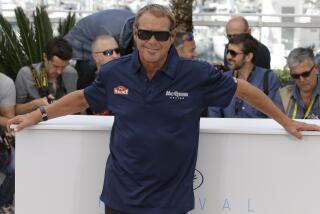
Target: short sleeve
96, 95
219, 88
21, 88
8, 93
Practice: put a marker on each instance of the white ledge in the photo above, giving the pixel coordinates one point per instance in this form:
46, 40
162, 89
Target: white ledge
207, 125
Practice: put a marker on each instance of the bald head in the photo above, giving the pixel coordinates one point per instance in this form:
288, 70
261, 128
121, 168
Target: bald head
237, 25
100, 45
103, 40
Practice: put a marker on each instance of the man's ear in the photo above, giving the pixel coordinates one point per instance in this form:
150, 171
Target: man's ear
249, 57
94, 57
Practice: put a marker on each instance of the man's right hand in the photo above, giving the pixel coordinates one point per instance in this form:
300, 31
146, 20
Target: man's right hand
23, 121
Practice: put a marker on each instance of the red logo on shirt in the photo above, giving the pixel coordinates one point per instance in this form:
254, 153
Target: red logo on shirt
121, 90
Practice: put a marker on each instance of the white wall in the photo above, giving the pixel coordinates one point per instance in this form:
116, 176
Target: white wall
244, 166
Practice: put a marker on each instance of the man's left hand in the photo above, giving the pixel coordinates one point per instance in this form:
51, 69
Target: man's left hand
295, 127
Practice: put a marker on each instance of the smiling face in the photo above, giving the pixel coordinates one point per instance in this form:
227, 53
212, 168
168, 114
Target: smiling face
151, 51
236, 58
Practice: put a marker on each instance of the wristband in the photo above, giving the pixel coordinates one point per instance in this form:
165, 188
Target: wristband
44, 113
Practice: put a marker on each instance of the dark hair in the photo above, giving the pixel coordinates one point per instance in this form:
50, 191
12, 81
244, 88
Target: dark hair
248, 43
59, 47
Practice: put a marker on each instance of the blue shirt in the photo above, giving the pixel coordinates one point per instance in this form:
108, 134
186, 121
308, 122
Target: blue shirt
240, 109
154, 138
301, 109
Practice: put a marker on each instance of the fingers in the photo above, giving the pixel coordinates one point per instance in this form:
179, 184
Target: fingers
51, 96
16, 124
12, 122
297, 127
297, 134
307, 127
44, 101
312, 127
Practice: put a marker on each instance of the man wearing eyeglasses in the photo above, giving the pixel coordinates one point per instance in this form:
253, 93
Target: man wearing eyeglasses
185, 45
239, 25
241, 52
81, 36
104, 49
301, 100
157, 98
42, 83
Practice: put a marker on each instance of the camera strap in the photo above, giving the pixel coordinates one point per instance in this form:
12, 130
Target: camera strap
42, 83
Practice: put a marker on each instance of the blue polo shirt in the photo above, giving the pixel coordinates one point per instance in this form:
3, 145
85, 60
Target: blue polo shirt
154, 138
240, 109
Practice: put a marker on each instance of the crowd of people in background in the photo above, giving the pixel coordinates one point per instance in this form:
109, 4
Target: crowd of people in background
94, 42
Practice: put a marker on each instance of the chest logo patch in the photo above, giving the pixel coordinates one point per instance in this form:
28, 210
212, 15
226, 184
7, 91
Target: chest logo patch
176, 95
122, 90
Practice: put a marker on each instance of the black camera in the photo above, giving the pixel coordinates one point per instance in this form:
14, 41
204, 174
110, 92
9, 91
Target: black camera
50, 100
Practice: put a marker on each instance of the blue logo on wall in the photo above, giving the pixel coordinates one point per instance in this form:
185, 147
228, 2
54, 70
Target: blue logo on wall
197, 179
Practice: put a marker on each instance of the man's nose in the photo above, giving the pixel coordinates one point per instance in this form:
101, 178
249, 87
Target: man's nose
301, 78
229, 57
153, 39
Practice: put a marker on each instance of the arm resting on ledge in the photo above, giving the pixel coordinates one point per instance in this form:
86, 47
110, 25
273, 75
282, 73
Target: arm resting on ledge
259, 100
69, 104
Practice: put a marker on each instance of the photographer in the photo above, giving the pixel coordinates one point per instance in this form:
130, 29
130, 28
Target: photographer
42, 83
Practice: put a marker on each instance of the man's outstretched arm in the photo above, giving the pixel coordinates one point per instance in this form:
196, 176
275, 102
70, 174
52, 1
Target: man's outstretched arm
69, 104
259, 100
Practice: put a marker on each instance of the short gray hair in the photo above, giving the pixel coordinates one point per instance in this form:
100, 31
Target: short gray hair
299, 55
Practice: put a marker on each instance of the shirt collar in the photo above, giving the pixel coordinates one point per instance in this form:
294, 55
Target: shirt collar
317, 91
169, 68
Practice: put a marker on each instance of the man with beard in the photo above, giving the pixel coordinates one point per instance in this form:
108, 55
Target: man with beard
238, 25
241, 53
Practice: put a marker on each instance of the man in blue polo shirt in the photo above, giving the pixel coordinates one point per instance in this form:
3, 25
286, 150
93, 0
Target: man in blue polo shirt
157, 99
241, 53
